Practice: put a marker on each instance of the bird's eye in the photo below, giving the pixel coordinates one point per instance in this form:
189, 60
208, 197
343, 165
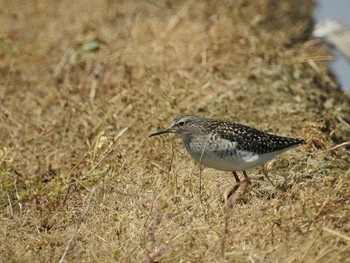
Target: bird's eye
181, 123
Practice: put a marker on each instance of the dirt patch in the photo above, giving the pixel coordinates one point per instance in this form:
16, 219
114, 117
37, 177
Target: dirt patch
83, 84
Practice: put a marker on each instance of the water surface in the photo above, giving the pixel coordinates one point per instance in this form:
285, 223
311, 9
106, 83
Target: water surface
338, 10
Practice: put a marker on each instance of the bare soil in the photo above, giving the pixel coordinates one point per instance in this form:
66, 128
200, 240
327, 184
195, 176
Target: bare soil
83, 84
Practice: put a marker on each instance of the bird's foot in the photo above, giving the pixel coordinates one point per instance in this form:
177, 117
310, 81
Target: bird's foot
243, 184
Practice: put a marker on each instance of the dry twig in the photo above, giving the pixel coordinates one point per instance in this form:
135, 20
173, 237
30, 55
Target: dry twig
107, 152
200, 168
78, 224
63, 62
336, 147
17, 195
336, 233
10, 204
230, 203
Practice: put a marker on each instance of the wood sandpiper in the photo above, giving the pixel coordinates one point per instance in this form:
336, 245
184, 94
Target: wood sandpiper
228, 146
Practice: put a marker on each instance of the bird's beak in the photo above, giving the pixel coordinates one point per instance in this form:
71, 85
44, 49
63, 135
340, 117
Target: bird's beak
168, 130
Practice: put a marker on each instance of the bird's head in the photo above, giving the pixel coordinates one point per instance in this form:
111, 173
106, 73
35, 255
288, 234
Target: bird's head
183, 124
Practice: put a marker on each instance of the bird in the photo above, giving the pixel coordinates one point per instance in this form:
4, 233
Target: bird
228, 146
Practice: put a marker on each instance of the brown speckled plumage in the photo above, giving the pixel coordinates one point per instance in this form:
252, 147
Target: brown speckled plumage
251, 139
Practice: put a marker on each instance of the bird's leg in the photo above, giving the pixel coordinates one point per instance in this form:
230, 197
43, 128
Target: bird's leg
235, 187
238, 183
265, 172
246, 181
247, 178
235, 176
232, 191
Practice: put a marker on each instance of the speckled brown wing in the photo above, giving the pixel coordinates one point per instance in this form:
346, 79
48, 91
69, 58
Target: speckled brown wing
250, 139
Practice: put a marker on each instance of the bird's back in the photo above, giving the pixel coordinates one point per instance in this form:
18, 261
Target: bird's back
251, 139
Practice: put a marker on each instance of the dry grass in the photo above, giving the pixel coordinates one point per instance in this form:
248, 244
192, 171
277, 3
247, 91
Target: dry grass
79, 174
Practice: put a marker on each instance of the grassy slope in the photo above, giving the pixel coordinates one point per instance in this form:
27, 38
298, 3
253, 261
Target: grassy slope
245, 61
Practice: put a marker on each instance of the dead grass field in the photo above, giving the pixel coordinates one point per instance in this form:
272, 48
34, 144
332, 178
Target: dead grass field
83, 84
